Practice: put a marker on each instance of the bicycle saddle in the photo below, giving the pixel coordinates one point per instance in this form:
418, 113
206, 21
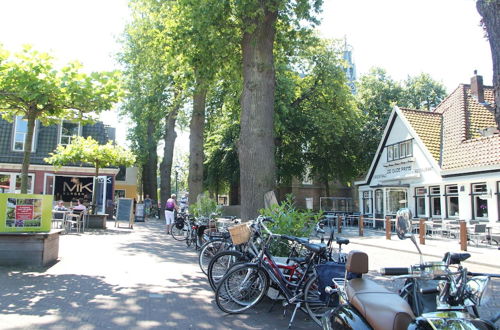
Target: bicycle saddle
317, 248
301, 240
341, 240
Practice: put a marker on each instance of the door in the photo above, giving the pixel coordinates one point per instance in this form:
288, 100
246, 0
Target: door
48, 184
100, 194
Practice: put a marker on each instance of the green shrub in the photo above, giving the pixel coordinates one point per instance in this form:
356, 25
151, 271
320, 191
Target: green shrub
204, 206
289, 220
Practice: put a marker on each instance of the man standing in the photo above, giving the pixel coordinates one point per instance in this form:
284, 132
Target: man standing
170, 208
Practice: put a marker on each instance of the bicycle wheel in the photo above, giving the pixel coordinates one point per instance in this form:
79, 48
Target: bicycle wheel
314, 305
179, 234
220, 264
241, 288
208, 251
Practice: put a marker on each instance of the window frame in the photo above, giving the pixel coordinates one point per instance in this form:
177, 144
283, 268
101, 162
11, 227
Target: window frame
60, 132
30, 187
367, 202
388, 200
434, 193
475, 195
419, 196
450, 194
399, 150
14, 133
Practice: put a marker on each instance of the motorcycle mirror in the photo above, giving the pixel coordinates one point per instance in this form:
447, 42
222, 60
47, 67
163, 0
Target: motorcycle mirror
403, 223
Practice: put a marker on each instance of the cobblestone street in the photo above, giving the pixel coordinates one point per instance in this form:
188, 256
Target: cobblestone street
143, 279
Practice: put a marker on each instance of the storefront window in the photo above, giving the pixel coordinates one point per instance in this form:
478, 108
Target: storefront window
379, 203
396, 199
4, 183
479, 201
452, 206
367, 202
435, 198
420, 201
18, 183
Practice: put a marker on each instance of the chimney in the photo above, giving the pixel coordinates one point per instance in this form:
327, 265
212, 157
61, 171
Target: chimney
476, 87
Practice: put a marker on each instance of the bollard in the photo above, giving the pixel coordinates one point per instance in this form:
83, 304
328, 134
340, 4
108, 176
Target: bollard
387, 227
361, 225
339, 223
463, 236
421, 231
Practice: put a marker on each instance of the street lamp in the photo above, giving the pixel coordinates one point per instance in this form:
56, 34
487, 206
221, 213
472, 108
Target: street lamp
176, 169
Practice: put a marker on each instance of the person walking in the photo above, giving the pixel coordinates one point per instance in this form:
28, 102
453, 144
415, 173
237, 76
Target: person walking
170, 208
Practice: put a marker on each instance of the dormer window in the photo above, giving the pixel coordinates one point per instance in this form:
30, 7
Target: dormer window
68, 129
20, 132
400, 150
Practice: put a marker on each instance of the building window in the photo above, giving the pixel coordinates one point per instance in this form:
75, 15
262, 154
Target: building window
452, 205
4, 183
396, 199
67, 131
379, 203
20, 132
420, 201
119, 193
479, 201
367, 202
435, 199
400, 150
18, 183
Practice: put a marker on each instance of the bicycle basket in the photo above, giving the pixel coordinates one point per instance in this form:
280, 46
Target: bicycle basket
240, 233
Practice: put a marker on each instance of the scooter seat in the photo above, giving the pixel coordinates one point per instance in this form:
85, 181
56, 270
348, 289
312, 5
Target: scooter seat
382, 309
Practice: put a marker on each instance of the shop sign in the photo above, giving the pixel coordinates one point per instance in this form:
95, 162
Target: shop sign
402, 172
70, 188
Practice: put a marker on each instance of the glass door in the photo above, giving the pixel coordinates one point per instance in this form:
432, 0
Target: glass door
48, 185
100, 194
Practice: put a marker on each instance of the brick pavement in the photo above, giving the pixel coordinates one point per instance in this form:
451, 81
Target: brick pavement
140, 279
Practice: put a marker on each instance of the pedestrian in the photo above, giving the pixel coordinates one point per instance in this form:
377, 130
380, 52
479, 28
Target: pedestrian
170, 208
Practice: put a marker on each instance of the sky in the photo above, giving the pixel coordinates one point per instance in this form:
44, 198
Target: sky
405, 37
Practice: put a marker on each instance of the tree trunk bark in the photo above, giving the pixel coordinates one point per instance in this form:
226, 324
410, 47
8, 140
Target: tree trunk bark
150, 168
327, 188
256, 145
168, 155
490, 11
28, 143
195, 179
234, 193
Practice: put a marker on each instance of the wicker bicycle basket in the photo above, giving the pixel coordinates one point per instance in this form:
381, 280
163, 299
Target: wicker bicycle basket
240, 233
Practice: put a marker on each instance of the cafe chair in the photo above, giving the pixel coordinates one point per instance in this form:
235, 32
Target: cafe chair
478, 234
75, 220
58, 218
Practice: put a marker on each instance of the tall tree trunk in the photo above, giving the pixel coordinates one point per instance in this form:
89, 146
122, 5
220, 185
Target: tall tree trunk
168, 155
327, 187
150, 168
256, 145
28, 143
234, 193
490, 11
195, 179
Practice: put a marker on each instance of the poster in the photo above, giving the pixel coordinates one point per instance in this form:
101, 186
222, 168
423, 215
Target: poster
23, 213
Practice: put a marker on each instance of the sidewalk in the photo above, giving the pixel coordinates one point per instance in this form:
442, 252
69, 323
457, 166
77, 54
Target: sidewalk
143, 279
123, 279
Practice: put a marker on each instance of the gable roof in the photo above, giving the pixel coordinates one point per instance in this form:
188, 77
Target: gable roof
428, 127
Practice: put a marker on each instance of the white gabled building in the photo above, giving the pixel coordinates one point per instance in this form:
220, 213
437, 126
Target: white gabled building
440, 164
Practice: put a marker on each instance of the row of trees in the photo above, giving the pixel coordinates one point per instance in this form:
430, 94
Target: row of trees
265, 99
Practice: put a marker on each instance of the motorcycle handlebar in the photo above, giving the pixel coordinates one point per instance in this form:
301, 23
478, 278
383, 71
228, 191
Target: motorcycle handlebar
395, 271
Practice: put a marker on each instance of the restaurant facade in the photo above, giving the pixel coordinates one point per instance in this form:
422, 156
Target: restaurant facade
441, 164
67, 183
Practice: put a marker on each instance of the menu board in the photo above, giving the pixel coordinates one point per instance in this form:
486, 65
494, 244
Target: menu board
25, 212
124, 211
